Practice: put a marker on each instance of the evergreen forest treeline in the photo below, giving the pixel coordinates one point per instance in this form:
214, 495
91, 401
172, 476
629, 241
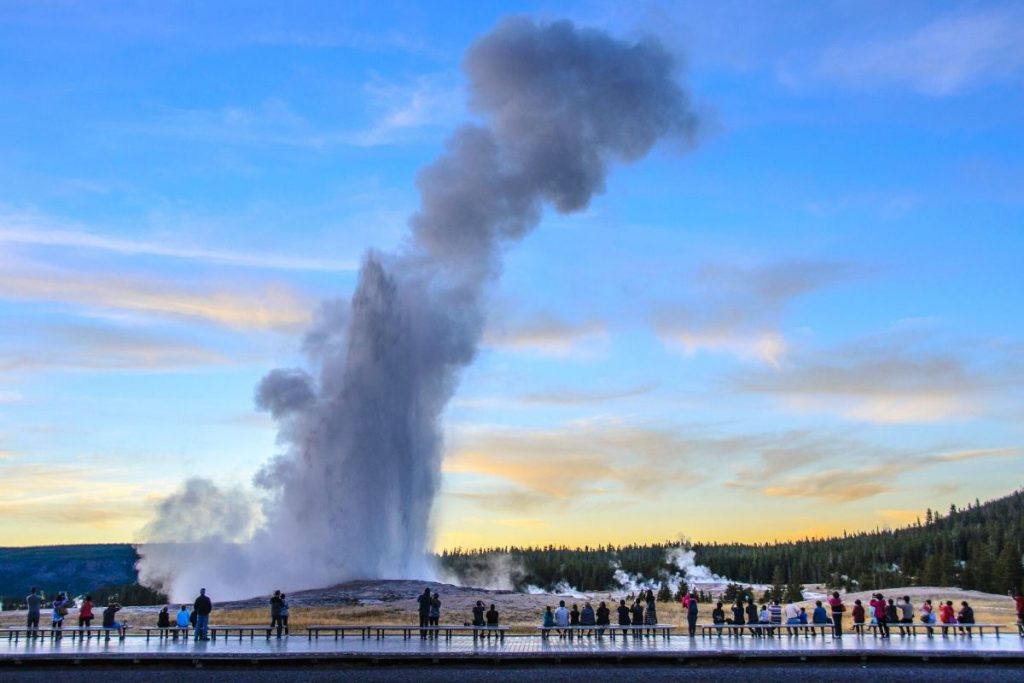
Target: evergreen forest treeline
976, 547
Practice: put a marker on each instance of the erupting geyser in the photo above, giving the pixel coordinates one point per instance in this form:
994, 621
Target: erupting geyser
352, 494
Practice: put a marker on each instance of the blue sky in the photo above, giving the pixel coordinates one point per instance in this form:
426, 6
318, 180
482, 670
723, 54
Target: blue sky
813, 316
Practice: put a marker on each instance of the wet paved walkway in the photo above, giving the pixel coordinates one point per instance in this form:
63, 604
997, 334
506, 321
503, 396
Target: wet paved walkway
1008, 646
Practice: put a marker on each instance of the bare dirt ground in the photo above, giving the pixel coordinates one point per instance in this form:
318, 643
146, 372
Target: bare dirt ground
394, 602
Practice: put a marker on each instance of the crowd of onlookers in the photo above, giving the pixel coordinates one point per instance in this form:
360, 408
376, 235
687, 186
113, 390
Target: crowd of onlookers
883, 614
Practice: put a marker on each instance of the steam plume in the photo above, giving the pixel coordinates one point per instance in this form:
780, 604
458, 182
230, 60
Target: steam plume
352, 494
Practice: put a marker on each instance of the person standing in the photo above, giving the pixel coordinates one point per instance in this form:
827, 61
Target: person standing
837, 607
59, 611
892, 614
946, 615
85, 614
284, 612
928, 616
275, 613
651, 612
33, 602
1018, 601
858, 617
965, 616
478, 614
424, 610
202, 608
434, 618
638, 616
691, 616
878, 606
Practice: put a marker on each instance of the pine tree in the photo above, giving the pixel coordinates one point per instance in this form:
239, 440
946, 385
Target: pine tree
1007, 571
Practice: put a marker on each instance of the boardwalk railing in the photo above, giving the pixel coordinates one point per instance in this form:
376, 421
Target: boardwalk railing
664, 630
406, 630
764, 629
71, 632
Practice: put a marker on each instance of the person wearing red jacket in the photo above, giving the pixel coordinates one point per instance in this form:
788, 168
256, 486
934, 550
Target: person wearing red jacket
946, 615
1019, 600
85, 613
878, 606
858, 616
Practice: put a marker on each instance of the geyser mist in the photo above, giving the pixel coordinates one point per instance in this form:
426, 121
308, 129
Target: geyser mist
351, 494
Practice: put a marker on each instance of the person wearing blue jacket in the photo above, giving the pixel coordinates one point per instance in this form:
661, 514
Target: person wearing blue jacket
820, 616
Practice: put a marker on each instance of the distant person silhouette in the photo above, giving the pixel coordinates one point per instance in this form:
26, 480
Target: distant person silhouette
651, 610
604, 617
284, 612
163, 619
33, 602
275, 613
424, 610
434, 618
623, 612
492, 617
202, 608
691, 616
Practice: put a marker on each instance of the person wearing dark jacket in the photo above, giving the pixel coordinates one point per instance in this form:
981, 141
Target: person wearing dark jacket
163, 620
638, 617
492, 616
738, 614
753, 616
478, 614
275, 613
623, 612
603, 618
202, 608
691, 615
424, 603
965, 616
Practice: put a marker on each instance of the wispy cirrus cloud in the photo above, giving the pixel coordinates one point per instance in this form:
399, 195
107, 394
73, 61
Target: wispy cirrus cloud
548, 335
274, 308
28, 228
838, 486
400, 111
73, 346
557, 467
946, 55
903, 375
738, 310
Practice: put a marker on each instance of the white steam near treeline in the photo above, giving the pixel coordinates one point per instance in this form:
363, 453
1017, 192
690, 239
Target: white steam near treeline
351, 494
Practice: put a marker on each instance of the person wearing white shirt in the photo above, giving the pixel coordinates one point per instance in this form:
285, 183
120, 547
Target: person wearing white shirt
561, 617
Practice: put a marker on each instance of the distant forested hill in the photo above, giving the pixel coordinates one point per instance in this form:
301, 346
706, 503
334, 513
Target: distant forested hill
977, 547
77, 569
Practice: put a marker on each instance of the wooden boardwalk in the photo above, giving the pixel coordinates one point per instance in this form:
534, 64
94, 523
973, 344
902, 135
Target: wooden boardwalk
678, 648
